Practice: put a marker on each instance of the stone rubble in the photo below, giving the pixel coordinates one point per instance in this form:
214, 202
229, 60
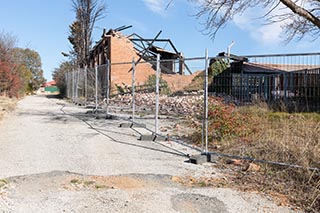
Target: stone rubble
188, 104
169, 105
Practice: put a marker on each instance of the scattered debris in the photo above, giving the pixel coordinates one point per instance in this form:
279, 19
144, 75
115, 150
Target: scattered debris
181, 105
251, 167
201, 181
235, 162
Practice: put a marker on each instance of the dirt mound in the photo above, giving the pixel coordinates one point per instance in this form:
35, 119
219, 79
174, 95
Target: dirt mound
179, 82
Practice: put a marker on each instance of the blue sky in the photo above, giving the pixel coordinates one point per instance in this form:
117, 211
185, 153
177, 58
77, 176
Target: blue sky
43, 25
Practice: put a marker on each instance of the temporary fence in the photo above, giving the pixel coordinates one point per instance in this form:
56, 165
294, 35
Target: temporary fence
88, 86
292, 80
146, 92
174, 106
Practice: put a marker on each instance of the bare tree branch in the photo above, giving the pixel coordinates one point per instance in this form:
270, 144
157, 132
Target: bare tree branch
299, 18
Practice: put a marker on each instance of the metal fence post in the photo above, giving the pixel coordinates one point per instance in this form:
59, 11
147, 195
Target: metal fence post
285, 85
66, 84
77, 86
96, 88
85, 85
108, 85
73, 83
132, 87
157, 95
205, 111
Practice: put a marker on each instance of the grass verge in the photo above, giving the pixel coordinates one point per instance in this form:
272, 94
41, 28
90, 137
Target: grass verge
6, 105
260, 133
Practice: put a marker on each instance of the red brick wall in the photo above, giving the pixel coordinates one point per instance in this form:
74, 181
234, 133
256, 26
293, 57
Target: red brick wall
122, 51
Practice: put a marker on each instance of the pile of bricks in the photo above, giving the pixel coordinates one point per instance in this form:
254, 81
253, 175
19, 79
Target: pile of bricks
168, 105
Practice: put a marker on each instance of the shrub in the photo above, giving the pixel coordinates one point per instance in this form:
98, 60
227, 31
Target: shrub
260, 133
163, 85
226, 123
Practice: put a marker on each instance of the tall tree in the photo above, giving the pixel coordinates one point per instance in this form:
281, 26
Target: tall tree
29, 62
298, 17
88, 12
10, 82
20, 69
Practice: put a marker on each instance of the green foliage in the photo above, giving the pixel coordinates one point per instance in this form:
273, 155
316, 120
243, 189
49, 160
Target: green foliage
217, 66
225, 122
3, 182
29, 62
257, 132
75, 181
120, 90
150, 83
59, 76
76, 41
20, 69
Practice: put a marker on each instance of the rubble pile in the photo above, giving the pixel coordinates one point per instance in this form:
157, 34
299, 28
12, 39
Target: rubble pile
169, 105
187, 104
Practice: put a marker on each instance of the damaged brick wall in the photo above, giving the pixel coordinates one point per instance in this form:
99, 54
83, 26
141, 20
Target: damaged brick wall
122, 51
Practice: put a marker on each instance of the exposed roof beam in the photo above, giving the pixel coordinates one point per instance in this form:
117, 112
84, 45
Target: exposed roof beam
146, 50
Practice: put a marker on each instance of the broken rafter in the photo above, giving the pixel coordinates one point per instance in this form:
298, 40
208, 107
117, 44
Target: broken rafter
146, 44
158, 40
124, 27
147, 49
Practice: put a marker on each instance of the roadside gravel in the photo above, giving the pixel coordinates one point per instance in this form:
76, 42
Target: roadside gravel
55, 158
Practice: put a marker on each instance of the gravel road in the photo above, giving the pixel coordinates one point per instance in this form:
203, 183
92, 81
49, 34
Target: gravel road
55, 158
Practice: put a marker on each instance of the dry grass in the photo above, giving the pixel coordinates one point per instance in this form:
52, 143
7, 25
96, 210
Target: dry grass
282, 137
6, 105
289, 138
293, 138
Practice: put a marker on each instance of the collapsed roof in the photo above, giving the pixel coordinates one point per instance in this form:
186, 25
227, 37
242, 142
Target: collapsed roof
146, 48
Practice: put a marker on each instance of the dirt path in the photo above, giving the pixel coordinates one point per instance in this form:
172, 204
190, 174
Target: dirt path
53, 158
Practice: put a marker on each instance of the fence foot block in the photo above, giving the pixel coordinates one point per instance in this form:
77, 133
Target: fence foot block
147, 138
95, 112
161, 138
126, 125
135, 125
110, 117
199, 159
101, 116
214, 158
105, 116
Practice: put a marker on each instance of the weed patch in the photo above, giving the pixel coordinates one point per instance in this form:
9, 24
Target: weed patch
6, 105
260, 133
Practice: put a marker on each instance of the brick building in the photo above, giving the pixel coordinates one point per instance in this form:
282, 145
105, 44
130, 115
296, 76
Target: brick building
120, 50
